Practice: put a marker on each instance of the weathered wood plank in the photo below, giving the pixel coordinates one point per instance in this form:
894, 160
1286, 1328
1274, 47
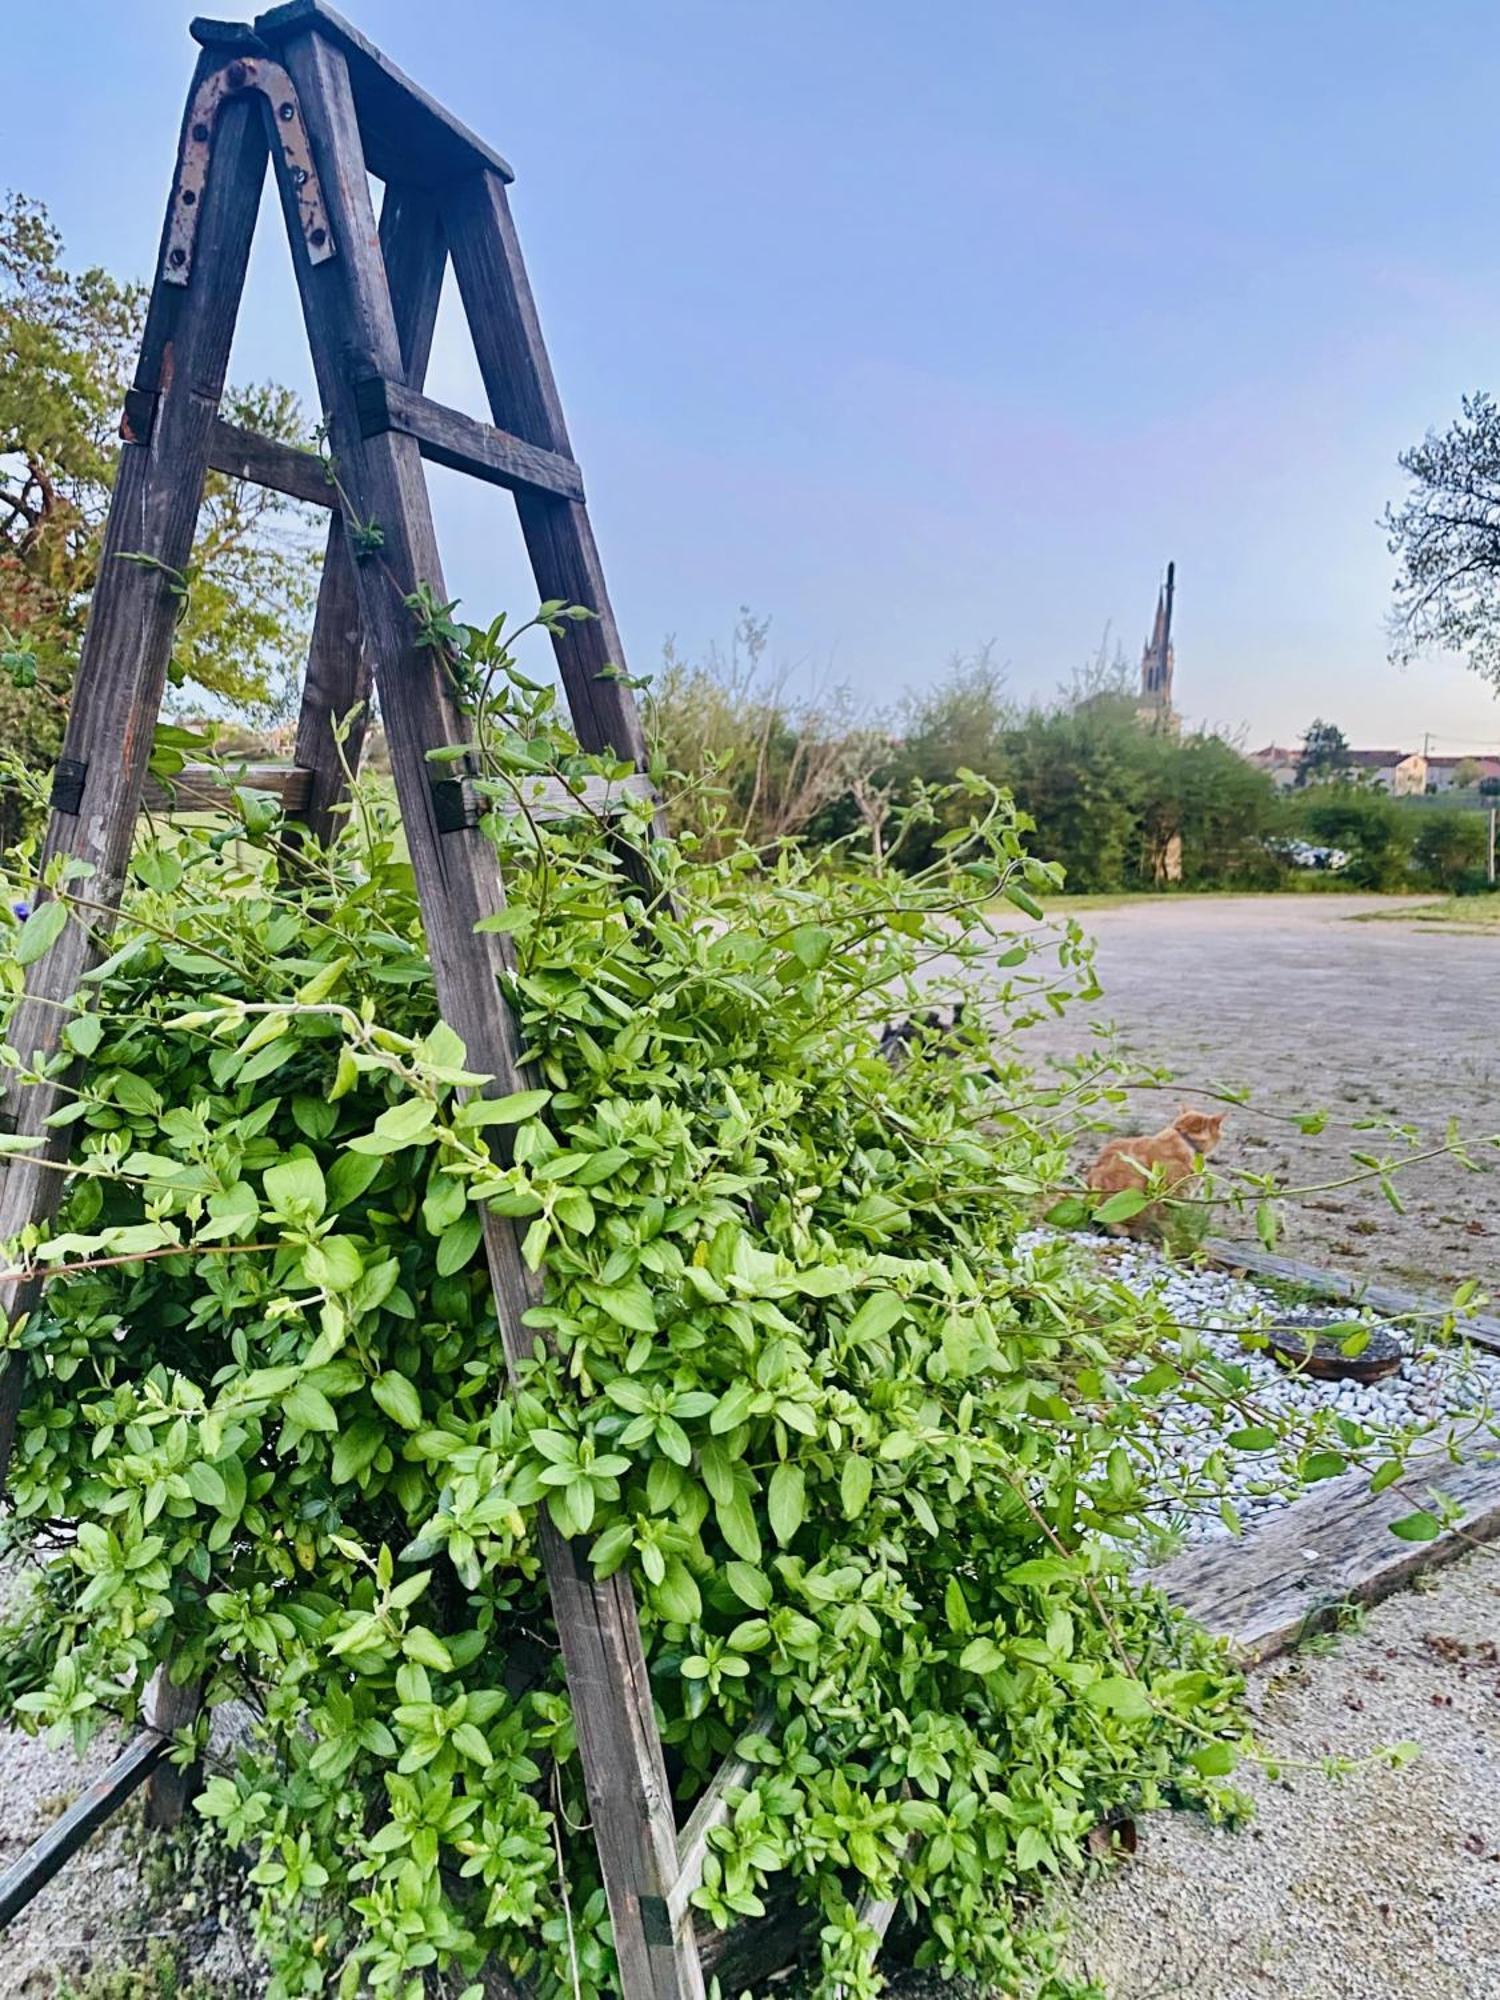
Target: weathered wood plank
285, 468
208, 788
352, 330
122, 670
1348, 1288
1268, 1588
523, 400
171, 1791
337, 683
407, 135
448, 437
33, 1870
546, 798
712, 1811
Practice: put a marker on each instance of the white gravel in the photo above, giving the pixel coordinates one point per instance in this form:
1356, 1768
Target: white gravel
1216, 1310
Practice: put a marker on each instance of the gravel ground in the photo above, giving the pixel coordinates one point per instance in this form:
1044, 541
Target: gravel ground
1383, 1883
1309, 1009
91, 1905
1430, 1386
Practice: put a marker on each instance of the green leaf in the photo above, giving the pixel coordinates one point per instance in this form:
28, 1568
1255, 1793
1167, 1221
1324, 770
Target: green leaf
750, 1585
1324, 1465
83, 1034
787, 1502
981, 1656
310, 1409
295, 1189
1254, 1437
322, 983
879, 1312
427, 1649
811, 944
736, 1519
404, 1124
512, 1110
398, 1398
854, 1485
1118, 1695
356, 1448
1418, 1527
1215, 1760
40, 931
628, 1305
678, 1595
457, 1244
732, 1409
206, 1484
1122, 1206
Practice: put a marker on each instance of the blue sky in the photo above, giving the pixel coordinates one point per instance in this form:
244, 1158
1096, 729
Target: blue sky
921, 326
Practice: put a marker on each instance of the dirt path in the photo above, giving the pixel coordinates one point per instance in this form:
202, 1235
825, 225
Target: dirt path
1384, 1882
1310, 1010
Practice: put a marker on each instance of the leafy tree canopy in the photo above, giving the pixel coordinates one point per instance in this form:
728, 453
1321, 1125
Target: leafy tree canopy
1325, 754
67, 346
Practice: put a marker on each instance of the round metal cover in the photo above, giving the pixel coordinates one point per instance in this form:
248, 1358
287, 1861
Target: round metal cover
1307, 1347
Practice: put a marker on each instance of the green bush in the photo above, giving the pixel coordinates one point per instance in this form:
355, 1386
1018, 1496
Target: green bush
1449, 851
1371, 827
872, 1464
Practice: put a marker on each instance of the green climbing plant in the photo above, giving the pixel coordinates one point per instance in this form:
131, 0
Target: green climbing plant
875, 1458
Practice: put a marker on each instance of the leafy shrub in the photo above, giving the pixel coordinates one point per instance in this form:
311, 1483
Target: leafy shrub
873, 1466
1371, 827
1449, 850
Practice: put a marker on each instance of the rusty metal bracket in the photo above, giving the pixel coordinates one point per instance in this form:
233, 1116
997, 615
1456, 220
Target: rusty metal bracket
248, 72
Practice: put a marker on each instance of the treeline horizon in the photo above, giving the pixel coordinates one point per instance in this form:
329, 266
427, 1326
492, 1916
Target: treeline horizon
1122, 799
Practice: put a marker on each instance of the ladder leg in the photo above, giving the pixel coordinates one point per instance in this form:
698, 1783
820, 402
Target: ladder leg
523, 400
122, 669
338, 669
352, 331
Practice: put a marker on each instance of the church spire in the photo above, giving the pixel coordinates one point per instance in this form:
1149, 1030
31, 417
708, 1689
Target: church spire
1158, 657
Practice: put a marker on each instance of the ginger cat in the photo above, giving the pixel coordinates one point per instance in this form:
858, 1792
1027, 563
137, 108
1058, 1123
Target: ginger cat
1178, 1151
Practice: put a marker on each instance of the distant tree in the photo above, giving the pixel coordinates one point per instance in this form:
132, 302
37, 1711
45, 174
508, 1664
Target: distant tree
960, 723
1446, 537
67, 345
1324, 756
1467, 772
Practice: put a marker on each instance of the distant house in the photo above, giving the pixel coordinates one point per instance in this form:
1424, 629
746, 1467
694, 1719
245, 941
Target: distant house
1399, 772
1279, 764
1447, 774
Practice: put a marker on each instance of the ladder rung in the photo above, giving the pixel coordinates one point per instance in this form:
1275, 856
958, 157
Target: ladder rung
407, 135
209, 788
283, 467
448, 437
35, 1868
459, 805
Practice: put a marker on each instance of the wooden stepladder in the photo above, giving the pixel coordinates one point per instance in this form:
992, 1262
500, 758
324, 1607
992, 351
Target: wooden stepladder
304, 89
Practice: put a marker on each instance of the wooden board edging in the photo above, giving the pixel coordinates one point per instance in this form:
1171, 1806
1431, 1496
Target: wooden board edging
1269, 1588
1345, 1288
